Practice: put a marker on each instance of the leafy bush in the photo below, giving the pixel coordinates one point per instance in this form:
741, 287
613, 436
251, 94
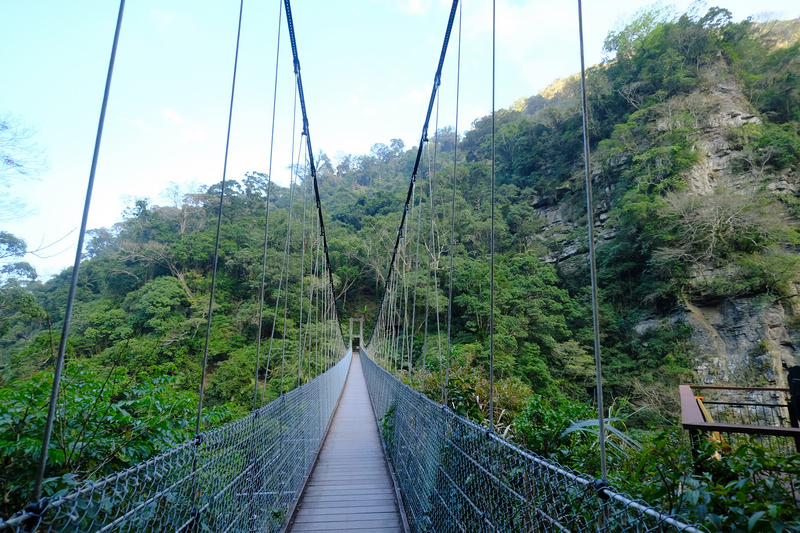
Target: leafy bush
105, 422
742, 490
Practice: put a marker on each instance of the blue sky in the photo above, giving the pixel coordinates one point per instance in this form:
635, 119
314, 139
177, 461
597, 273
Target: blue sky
367, 68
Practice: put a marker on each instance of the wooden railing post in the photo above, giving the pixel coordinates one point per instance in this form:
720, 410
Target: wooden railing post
691, 414
794, 402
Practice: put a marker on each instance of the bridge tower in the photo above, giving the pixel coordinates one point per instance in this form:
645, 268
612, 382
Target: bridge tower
360, 334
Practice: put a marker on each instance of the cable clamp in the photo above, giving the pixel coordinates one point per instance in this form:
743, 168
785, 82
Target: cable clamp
37, 508
600, 486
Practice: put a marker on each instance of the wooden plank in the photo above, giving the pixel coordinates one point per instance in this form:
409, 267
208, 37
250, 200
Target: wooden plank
338, 498
343, 517
350, 488
690, 411
373, 526
774, 431
726, 387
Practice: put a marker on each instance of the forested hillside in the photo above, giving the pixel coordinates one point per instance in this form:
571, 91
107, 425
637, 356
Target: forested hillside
695, 141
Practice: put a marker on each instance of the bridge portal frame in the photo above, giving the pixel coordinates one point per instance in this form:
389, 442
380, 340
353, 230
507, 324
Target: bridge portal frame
360, 333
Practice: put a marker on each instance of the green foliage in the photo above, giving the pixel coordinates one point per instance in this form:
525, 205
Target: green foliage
106, 421
156, 306
741, 490
542, 423
143, 286
387, 427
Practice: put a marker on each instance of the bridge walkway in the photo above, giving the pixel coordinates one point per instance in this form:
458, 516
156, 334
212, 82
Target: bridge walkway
350, 488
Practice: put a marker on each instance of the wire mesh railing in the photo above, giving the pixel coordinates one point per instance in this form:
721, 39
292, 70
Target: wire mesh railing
241, 477
456, 476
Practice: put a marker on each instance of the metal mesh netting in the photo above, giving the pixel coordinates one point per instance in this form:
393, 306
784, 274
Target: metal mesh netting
456, 476
240, 477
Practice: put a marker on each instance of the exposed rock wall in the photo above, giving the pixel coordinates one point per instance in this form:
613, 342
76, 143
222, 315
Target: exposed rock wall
741, 341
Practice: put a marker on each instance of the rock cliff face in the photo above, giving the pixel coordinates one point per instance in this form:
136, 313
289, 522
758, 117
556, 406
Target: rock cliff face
743, 341
717, 109
739, 341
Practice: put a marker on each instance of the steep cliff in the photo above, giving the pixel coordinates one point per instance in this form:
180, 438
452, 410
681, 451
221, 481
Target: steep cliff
744, 332
740, 340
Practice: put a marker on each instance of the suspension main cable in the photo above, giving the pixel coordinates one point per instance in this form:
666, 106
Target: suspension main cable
592, 259
437, 79
62, 345
266, 223
311, 162
453, 220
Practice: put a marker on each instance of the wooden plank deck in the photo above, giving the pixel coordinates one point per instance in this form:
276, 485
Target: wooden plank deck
350, 488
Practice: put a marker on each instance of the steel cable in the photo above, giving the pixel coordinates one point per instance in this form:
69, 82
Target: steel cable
455, 476
434, 91
62, 345
312, 164
302, 279
592, 260
287, 252
219, 223
491, 243
446, 382
266, 205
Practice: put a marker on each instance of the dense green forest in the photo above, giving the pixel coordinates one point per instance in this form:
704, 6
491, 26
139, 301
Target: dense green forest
137, 333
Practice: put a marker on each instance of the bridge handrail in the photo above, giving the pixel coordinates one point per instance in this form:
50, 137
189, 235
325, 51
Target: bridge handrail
456, 475
694, 421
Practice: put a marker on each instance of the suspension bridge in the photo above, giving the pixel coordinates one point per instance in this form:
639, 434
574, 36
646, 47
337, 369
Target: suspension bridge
353, 448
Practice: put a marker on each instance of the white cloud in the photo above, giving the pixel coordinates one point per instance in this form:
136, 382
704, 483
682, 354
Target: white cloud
415, 7
417, 96
172, 116
163, 19
191, 131
132, 121
195, 133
